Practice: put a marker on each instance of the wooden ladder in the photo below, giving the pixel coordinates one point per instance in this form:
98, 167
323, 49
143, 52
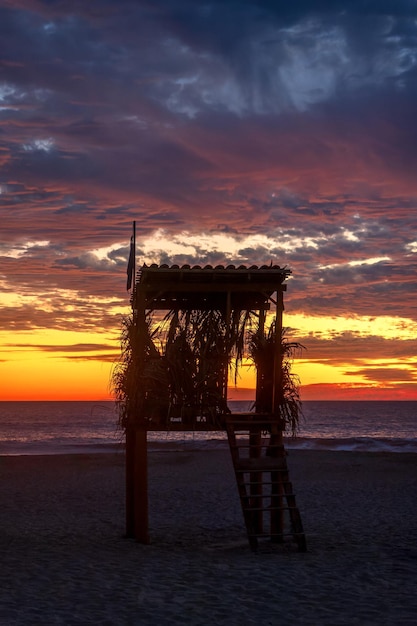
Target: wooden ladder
266, 494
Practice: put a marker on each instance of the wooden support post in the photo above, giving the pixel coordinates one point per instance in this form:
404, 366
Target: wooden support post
276, 450
277, 520
130, 488
278, 391
228, 347
255, 450
137, 525
141, 487
260, 374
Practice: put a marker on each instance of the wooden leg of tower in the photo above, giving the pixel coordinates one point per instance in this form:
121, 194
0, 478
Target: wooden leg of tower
276, 450
141, 487
130, 490
294, 514
255, 490
277, 506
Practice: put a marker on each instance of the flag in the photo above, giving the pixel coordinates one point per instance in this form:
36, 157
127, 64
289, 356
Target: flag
131, 264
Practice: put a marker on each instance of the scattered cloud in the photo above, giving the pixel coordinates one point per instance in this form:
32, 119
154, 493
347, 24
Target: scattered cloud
243, 132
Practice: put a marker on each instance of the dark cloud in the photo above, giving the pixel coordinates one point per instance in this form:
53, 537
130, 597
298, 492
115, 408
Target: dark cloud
387, 374
290, 128
111, 357
350, 347
78, 347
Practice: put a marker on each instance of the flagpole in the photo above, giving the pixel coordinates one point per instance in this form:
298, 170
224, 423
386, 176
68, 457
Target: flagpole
134, 259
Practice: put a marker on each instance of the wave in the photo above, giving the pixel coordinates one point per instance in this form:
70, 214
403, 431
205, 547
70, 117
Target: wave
47, 449
353, 444
342, 444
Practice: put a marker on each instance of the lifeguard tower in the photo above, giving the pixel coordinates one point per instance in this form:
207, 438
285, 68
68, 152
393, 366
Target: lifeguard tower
189, 326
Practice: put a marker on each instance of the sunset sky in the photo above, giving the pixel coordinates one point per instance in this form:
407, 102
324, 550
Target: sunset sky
232, 131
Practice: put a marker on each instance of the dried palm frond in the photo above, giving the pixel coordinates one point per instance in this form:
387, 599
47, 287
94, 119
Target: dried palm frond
180, 366
262, 349
139, 380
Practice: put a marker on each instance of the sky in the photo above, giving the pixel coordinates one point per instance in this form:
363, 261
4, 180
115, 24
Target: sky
232, 132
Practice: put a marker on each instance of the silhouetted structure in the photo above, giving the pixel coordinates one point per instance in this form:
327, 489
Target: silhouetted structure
189, 325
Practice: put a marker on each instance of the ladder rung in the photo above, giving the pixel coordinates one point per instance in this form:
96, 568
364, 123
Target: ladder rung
262, 461
268, 493
247, 483
268, 508
271, 495
242, 473
287, 533
247, 425
258, 470
265, 446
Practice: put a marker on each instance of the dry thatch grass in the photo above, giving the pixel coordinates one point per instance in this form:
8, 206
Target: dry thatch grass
179, 367
262, 350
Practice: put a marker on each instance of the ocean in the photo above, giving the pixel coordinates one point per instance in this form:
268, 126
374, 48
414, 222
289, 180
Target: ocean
76, 427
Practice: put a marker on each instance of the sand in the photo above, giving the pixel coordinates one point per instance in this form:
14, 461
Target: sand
64, 559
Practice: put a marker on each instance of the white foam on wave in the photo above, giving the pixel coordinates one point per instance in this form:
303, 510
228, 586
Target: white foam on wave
353, 444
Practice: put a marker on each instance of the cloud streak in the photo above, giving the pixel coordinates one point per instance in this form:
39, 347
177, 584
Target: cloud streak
231, 132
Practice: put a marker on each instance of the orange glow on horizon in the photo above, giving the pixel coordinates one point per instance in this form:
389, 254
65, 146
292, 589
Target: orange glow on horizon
86, 380
343, 392
68, 365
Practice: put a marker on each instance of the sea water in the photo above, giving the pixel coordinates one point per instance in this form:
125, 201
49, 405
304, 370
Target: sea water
74, 427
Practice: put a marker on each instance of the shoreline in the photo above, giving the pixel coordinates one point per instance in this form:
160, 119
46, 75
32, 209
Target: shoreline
155, 447
65, 560
300, 444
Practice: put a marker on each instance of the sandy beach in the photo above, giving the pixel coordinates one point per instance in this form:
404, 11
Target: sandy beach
64, 559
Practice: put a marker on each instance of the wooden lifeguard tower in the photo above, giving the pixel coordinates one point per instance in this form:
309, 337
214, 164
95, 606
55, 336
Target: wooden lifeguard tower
187, 326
